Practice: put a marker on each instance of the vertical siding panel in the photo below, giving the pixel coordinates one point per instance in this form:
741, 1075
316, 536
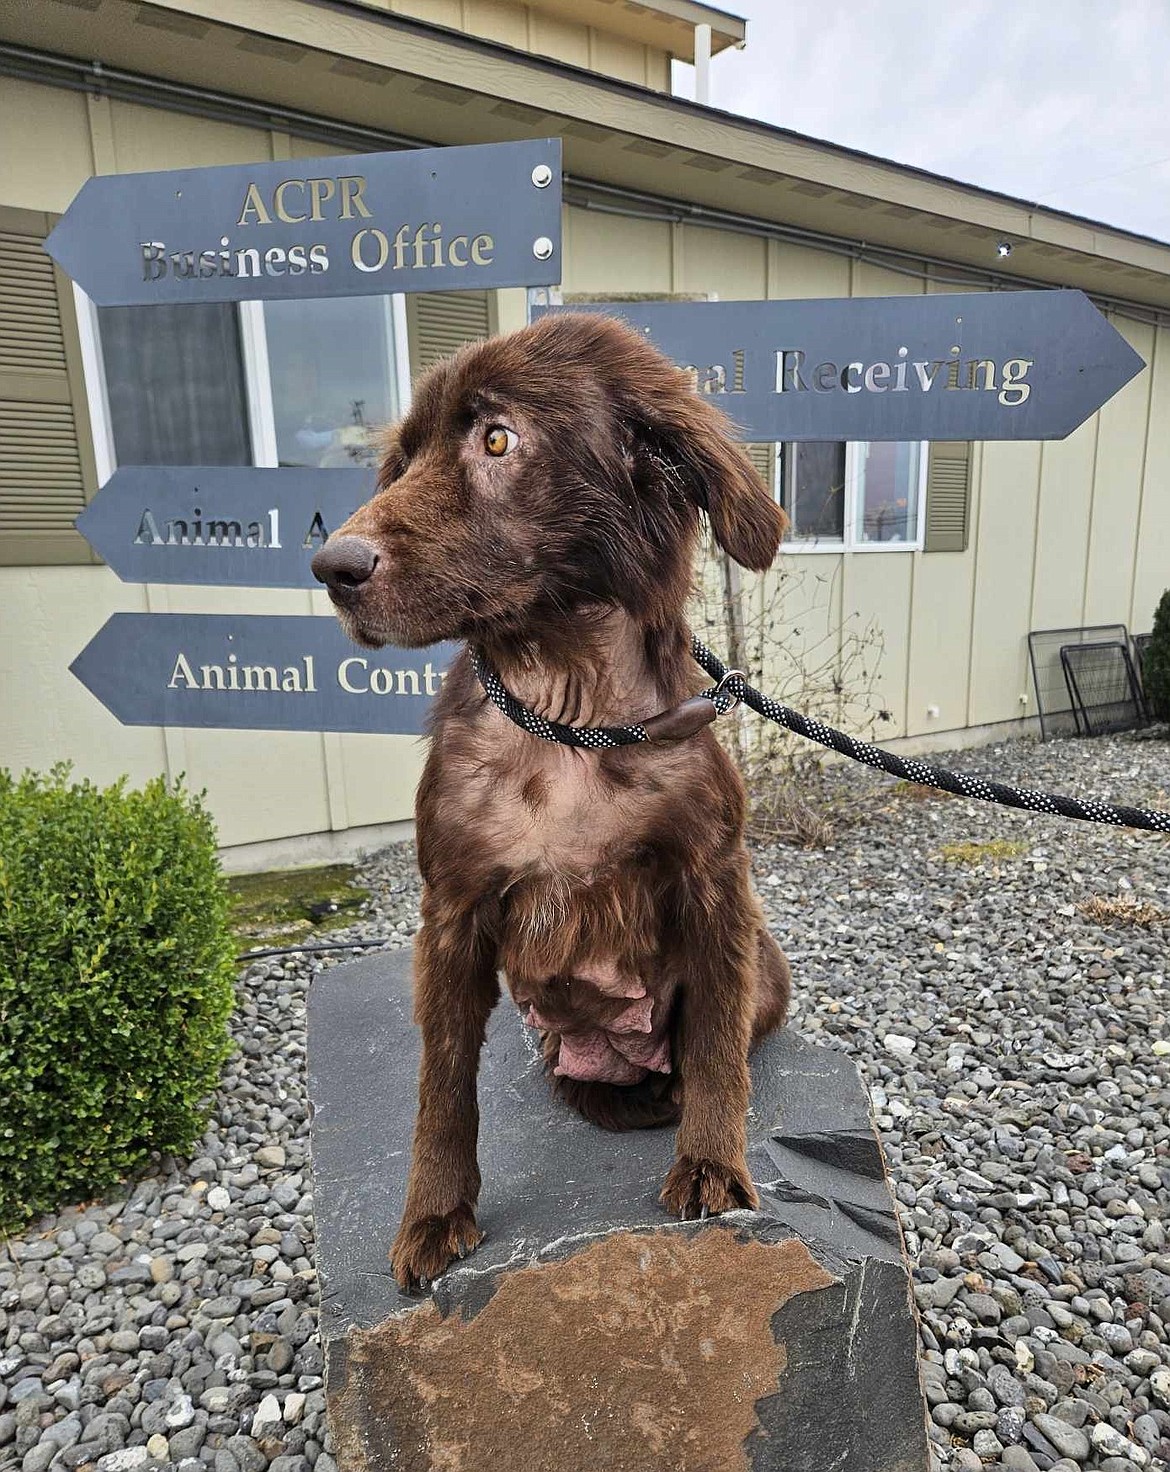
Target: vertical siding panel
814, 599
677, 256
940, 641
1003, 579
569, 219
657, 74
310, 148
848, 595
438, 12
99, 115
941, 618
871, 280
805, 589
973, 550
1151, 575
618, 57
796, 272
380, 776
1062, 529
879, 590
735, 266
146, 138
883, 582
1120, 456
497, 20
259, 784
46, 175
798, 616
609, 253
50, 614
561, 39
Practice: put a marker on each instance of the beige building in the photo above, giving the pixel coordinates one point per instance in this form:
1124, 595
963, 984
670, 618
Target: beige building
953, 553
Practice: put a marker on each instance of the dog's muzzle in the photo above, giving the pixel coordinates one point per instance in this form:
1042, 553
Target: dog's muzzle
344, 565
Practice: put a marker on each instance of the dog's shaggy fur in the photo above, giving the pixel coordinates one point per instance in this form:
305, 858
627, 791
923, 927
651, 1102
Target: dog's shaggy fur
541, 500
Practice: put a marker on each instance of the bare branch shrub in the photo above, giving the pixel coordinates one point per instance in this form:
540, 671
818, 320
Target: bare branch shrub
785, 631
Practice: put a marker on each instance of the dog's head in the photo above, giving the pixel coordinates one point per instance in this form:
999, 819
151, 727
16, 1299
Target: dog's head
563, 465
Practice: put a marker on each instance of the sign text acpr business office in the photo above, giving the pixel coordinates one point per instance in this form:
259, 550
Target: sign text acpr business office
409, 246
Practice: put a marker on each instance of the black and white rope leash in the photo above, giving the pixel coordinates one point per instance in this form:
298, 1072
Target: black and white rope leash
595, 738
732, 688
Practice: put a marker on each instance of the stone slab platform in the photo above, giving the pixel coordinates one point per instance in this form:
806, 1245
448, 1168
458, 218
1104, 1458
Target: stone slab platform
589, 1332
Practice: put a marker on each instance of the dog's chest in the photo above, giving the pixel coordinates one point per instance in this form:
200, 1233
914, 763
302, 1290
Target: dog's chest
539, 808
569, 819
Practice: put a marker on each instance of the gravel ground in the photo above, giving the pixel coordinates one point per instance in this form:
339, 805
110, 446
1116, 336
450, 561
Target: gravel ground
1016, 1047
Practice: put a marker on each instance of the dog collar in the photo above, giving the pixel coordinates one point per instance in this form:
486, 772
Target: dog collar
675, 724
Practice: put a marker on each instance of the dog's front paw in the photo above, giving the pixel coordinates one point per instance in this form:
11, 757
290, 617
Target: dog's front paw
702, 1188
426, 1245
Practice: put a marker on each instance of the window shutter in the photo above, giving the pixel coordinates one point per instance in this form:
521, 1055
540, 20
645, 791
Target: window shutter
438, 323
763, 457
47, 470
948, 496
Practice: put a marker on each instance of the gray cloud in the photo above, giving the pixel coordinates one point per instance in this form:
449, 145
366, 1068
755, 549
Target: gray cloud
1066, 102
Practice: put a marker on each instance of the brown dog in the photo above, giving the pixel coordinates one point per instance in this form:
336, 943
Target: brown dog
541, 501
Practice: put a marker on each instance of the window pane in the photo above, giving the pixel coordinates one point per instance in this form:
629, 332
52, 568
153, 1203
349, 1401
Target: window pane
332, 368
175, 383
888, 479
813, 491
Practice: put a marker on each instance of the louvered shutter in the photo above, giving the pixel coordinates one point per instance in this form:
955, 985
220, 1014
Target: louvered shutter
46, 460
763, 457
948, 496
438, 323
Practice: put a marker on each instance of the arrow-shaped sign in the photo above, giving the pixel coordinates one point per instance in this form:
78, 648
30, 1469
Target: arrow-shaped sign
1009, 365
230, 525
365, 224
258, 673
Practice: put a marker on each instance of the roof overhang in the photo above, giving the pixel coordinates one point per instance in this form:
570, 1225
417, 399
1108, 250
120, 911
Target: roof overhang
338, 59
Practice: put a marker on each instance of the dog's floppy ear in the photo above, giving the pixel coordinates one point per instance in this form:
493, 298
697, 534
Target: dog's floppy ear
691, 440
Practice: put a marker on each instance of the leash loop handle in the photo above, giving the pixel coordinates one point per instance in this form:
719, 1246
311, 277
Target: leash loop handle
724, 685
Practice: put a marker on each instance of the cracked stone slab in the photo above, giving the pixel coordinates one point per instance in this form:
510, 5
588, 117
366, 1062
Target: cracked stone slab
589, 1330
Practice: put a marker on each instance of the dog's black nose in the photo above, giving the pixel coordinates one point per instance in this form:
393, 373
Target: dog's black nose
344, 565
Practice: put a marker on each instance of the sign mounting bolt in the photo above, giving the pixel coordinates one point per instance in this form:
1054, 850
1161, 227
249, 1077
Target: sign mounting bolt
542, 176
542, 247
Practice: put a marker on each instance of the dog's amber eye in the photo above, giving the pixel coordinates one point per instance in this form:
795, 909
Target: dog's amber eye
498, 440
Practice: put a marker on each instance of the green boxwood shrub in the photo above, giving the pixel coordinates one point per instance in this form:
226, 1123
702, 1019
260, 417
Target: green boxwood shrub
116, 970
1156, 662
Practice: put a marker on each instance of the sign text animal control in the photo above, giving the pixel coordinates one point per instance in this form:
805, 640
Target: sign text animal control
261, 672
434, 219
1009, 365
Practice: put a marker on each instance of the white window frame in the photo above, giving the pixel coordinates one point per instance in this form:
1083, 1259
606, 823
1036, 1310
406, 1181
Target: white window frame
97, 397
852, 540
257, 377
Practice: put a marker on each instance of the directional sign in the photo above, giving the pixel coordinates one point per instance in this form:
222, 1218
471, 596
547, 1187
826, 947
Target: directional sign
433, 219
230, 525
256, 672
1010, 365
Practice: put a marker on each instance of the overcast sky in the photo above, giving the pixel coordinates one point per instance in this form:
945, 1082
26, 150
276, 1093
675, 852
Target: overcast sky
1065, 102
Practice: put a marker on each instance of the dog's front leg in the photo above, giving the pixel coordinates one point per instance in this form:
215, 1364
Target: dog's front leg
455, 989
717, 959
